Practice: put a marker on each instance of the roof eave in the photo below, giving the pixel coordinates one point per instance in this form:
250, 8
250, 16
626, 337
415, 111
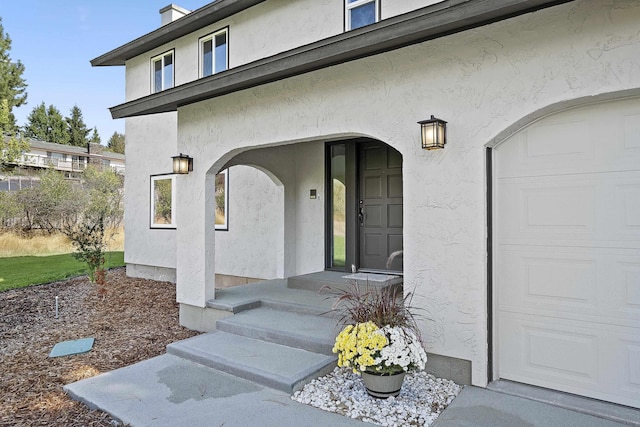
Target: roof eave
415, 27
195, 20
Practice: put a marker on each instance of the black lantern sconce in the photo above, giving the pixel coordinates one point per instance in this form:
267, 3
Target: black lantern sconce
182, 164
434, 133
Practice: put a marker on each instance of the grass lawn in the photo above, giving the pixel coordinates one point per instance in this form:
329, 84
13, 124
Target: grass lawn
338, 251
22, 271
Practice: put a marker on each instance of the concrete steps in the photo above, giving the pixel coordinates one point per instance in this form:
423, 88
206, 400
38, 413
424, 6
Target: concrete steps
273, 365
281, 333
292, 329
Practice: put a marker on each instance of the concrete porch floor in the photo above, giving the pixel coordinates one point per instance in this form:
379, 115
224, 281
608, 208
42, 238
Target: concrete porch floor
302, 291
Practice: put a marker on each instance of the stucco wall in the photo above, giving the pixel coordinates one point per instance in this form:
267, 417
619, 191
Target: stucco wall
481, 81
250, 246
150, 143
394, 8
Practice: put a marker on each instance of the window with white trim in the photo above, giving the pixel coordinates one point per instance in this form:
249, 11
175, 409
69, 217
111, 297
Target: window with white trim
163, 197
359, 13
214, 54
162, 72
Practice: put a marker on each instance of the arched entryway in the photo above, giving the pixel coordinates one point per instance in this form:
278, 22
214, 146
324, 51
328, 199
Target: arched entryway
249, 226
566, 239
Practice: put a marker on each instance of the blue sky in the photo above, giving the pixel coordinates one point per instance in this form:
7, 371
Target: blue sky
55, 40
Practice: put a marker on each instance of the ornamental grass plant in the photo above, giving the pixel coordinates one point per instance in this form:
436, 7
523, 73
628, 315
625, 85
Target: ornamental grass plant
365, 303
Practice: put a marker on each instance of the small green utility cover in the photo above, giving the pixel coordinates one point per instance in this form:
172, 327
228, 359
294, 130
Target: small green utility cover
67, 348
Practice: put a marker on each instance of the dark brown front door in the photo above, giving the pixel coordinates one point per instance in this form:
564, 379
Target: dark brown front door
380, 206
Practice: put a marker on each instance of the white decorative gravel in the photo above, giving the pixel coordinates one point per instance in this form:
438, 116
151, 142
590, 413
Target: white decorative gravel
422, 398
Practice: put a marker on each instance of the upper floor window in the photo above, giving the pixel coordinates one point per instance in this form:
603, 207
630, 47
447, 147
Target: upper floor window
162, 72
214, 55
359, 13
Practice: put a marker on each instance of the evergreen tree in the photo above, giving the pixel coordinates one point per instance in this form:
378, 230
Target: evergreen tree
12, 85
95, 137
78, 132
37, 126
116, 143
11, 144
47, 124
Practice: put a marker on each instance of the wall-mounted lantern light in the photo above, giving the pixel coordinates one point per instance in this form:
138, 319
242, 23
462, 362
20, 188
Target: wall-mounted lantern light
434, 133
182, 164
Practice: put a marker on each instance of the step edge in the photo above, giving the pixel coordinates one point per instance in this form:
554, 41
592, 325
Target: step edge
252, 373
274, 336
247, 372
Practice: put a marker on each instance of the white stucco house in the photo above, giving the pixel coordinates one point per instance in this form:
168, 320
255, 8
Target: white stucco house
521, 237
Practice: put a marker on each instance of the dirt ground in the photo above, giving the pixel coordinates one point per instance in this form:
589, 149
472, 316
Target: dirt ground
133, 321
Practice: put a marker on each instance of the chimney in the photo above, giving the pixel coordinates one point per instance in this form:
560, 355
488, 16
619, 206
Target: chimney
171, 13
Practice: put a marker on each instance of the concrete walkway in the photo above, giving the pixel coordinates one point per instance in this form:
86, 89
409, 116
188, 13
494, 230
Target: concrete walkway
171, 391
281, 336
478, 407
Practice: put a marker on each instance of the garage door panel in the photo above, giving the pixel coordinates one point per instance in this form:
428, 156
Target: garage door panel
563, 353
572, 142
541, 207
537, 278
628, 198
631, 129
589, 284
543, 149
630, 361
572, 357
622, 297
548, 141
567, 209
598, 210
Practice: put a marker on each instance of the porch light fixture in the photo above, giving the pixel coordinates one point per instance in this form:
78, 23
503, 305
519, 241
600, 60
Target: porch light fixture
434, 133
182, 164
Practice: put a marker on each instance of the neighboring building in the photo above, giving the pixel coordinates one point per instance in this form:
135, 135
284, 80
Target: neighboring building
69, 159
521, 238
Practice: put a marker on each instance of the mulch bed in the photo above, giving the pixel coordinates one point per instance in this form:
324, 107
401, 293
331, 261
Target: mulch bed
132, 321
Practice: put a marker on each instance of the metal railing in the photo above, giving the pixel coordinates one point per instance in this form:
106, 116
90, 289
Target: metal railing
42, 161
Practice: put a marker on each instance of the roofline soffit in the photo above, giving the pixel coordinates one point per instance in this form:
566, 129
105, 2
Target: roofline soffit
421, 25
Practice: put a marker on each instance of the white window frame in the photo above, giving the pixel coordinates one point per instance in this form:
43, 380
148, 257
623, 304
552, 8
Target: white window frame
211, 37
152, 207
161, 58
347, 11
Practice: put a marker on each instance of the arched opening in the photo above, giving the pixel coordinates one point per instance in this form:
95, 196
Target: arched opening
290, 210
249, 226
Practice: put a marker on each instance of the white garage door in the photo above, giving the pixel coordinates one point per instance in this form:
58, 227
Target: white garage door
567, 253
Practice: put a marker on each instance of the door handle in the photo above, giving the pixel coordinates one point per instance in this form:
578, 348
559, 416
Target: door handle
361, 216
